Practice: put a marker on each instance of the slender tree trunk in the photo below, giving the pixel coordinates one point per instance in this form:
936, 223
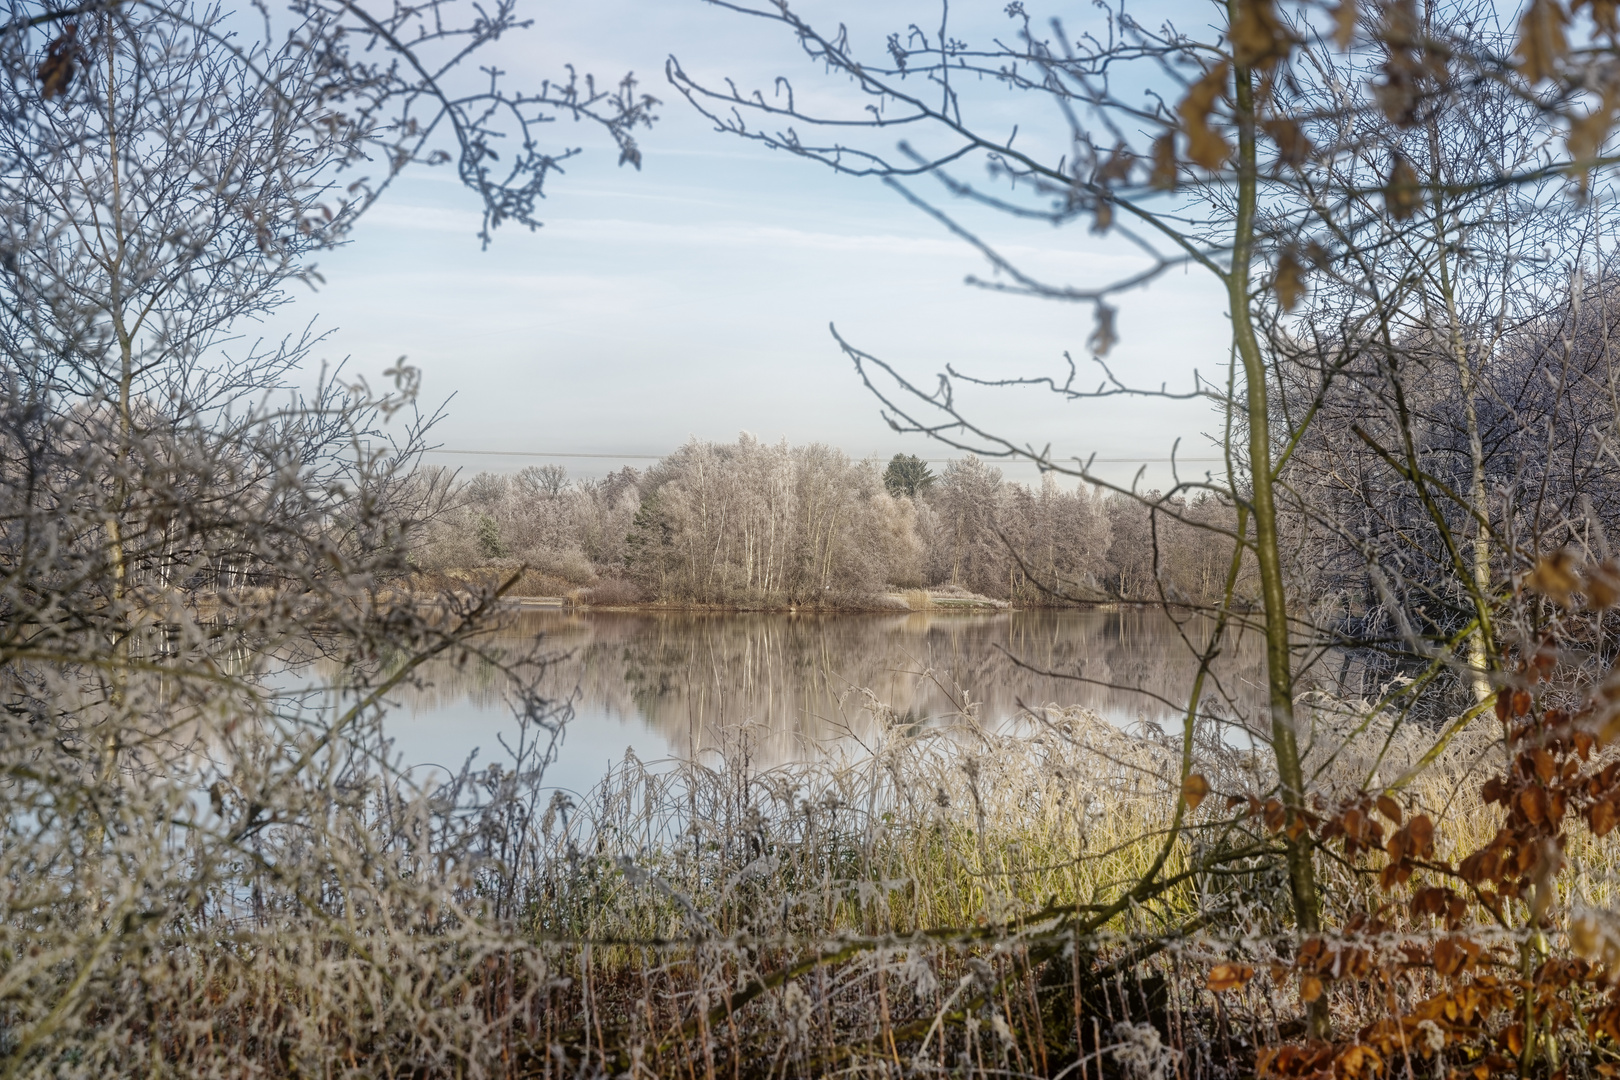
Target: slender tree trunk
1478, 648
115, 311
1479, 645
1279, 669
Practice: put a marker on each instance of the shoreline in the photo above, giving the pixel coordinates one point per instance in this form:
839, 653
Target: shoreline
549, 594
936, 607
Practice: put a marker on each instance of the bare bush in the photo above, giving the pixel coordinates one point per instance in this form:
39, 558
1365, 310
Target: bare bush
212, 862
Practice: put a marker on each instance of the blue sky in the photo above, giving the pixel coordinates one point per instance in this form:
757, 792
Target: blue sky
692, 298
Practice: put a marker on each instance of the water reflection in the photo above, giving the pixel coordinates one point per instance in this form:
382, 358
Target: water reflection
677, 683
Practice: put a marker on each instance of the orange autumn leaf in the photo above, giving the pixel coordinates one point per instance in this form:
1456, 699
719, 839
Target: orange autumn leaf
1389, 808
1358, 1060
1603, 818
1224, 977
1310, 988
1422, 833
1554, 576
1194, 789
1274, 815
1533, 801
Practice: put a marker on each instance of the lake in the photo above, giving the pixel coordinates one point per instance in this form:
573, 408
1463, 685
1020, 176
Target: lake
677, 684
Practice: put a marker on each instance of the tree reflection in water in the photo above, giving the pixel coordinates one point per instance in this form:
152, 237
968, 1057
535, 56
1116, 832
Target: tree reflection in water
683, 683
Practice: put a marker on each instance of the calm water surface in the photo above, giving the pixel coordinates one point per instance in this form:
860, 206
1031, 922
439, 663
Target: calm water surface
668, 685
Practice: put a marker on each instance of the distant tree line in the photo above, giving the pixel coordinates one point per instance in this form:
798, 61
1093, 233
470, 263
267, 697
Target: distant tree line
748, 522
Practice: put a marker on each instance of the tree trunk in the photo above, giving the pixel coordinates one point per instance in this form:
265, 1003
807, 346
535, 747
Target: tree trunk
1279, 669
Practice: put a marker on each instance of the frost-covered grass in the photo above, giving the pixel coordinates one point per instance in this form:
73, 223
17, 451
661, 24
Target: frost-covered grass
958, 902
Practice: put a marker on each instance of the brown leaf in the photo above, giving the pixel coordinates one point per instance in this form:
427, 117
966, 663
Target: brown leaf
1293, 148
1602, 585
1396, 873
1194, 789
1257, 35
1206, 147
1117, 169
1102, 217
1344, 23
1454, 954
1603, 15
1554, 576
1164, 162
1583, 744
56, 70
1289, 280
1541, 40
1358, 1059
1310, 988
1533, 801
1421, 830
1398, 94
1389, 808
1594, 934
1399, 25
1402, 195
1224, 977
1603, 818
1587, 134
1429, 901
1274, 815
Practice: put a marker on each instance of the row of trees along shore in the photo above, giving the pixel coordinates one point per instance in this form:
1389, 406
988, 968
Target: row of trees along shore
755, 524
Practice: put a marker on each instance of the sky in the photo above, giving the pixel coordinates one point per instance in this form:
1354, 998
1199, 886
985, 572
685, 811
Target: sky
693, 298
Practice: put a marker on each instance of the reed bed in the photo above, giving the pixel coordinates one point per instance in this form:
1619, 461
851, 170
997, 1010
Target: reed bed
958, 903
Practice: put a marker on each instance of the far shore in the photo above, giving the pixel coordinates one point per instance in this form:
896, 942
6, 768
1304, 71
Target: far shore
538, 592
881, 605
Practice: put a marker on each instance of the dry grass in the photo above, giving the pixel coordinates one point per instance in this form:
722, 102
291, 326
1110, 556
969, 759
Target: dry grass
953, 903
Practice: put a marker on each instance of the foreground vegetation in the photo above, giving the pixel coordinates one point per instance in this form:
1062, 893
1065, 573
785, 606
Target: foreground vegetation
971, 905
